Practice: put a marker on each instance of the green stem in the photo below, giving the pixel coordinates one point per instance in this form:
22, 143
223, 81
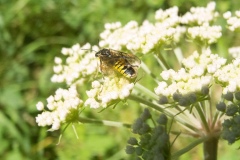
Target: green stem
161, 59
104, 122
178, 54
148, 71
216, 117
162, 62
150, 104
210, 147
203, 118
188, 148
146, 91
169, 112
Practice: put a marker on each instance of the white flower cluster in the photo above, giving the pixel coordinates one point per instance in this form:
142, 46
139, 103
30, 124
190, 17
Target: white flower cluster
196, 74
233, 22
112, 89
200, 18
80, 64
200, 15
145, 37
228, 76
235, 52
62, 107
169, 16
184, 83
206, 63
205, 33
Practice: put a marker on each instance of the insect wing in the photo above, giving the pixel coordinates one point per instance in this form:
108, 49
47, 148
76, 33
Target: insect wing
124, 63
130, 59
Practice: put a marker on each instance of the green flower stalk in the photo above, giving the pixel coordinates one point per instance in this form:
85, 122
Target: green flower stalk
199, 89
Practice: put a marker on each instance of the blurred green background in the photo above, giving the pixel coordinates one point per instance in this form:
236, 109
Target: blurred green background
32, 33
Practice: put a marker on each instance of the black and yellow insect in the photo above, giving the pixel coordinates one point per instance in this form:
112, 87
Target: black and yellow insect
116, 61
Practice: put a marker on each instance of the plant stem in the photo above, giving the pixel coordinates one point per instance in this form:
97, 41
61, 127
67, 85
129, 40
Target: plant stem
171, 112
210, 147
104, 122
188, 148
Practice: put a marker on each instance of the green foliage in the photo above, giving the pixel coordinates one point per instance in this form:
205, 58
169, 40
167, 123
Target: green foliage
32, 33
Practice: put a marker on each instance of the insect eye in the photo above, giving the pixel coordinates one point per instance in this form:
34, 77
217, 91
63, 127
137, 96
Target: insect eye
107, 53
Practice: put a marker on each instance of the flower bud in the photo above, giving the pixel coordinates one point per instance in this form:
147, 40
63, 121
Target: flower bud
192, 98
229, 136
137, 125
237, 95
228, 96
162, 120
146, 114
144, 140
130, 149
236, 119
132, 141
177, 96
139, 151
145, 129
227, 123
231, 110
163, 100
205, 90
221, 106
183, 101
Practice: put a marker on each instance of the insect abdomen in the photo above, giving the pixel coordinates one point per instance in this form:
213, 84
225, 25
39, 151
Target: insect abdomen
125, 70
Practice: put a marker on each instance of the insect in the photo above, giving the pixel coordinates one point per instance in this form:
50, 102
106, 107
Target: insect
116, 61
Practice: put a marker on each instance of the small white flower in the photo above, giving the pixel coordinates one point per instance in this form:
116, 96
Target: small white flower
96, 84
40, 106
114, 95
233, 22
234, 52
58, 68
80, 64
205, 33
124, 93
227, 15
50, 99
211, 6
232, 86
200, 15
76, 47
92, 103
167, 74
161, 86
237, 13
228, 76
212, 68
65, 51
197, 71
112, 89
61, 107
55, 126
57, 60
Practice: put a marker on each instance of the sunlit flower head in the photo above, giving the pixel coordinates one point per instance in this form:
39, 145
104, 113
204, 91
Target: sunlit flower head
197, 73
79, 65
112, 88
235, 52
168, 14
228, 76
61, 107
200, 15
208, 61
205, 33
143, 38
233, 22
